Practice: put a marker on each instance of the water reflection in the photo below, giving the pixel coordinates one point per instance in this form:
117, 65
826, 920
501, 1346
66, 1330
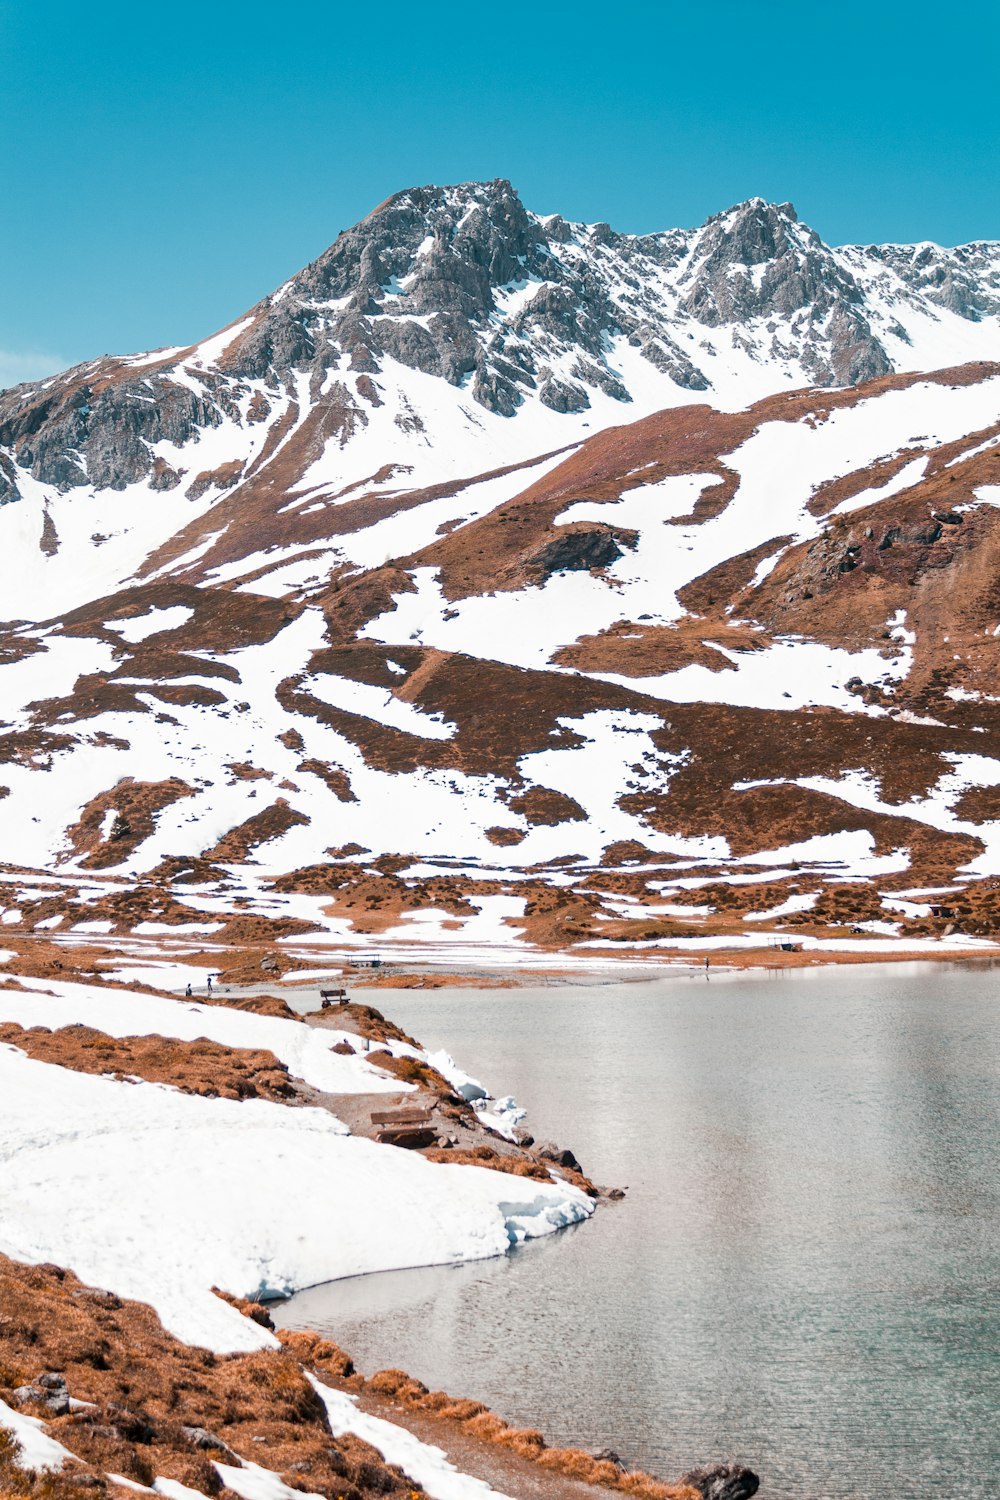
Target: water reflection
805, 1272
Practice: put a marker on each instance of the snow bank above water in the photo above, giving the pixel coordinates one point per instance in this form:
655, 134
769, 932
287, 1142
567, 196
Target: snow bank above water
160, 1196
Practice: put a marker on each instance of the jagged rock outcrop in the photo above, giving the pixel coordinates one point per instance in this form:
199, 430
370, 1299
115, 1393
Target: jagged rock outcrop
508, 309
965, 280
723, 1482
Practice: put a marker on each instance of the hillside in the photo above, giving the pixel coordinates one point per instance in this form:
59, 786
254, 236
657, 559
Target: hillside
504, 585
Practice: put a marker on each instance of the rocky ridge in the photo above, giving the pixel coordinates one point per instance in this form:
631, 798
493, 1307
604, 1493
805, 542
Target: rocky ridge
511, 310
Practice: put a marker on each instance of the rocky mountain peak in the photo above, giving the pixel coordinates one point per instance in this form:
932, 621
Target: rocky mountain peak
513, 311
754, 232
439, 249
757, 261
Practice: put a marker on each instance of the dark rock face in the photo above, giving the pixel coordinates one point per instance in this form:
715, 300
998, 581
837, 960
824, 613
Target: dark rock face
48, 1390
582, 549
80, 432
561, 1156
723, 1482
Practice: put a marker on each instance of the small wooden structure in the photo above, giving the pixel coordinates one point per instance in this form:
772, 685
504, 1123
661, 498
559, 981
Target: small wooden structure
332, 997
410, 1128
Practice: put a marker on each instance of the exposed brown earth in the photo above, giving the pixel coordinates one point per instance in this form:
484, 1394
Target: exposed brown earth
135, 806
270, 823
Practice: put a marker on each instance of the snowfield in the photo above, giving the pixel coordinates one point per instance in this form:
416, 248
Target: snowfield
159, 1196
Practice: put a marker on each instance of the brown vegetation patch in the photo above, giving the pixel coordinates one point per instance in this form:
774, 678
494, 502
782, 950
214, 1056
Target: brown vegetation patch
221, 478
349, 605
505, 837
242, 771
636, 650
23, 1484
556, 917
199, 1067
136, 806
335, 777
761, 896
366, 1021
412, 1070
826, 497
156, 1399
270, 823
842, 905
543, 805
727, 745
260, 1005
255, 514
933, 552
222, 620
774, 816
402, 1392
374, 898
486, 1156
716, 590
501, 712
978, 804
246, 927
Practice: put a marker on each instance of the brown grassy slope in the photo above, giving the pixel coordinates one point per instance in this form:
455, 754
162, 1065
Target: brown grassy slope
919, 551
147, 1388
496, 552
199, 1067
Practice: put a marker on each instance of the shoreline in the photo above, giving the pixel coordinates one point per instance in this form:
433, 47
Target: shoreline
246, 1002
435, 974
189, 1325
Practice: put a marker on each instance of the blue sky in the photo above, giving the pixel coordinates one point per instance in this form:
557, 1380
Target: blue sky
165, 166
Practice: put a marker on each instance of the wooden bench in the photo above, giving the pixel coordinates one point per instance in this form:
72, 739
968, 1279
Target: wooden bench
410, 1128
332, 997
401, 1116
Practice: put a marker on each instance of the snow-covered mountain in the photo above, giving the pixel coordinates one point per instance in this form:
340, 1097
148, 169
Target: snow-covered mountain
523, 577
452, 332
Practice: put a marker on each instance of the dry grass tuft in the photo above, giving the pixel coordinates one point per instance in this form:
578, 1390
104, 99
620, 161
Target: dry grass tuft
327, 1357
486, 1427
486, 1156
412, 1070
21, 1484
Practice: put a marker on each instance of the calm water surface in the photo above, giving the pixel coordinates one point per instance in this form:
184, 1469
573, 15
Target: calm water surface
805, 1273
